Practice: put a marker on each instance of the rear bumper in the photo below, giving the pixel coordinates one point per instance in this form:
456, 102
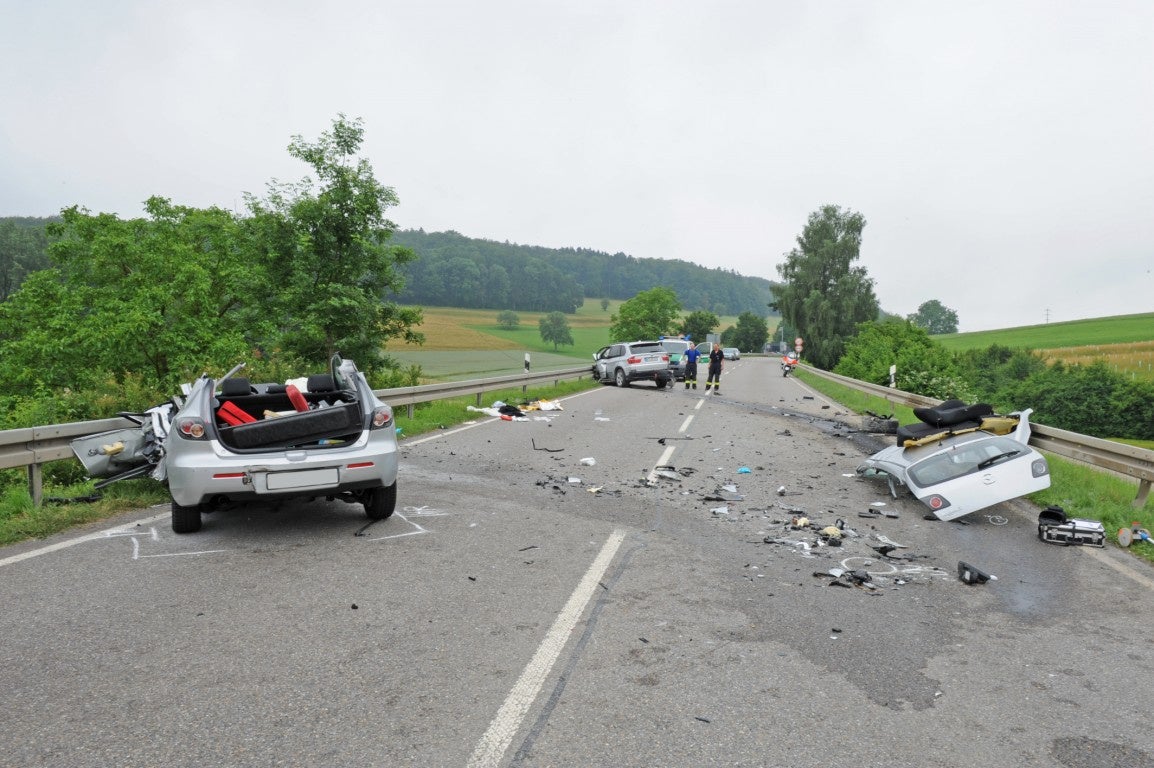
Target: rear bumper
215, 473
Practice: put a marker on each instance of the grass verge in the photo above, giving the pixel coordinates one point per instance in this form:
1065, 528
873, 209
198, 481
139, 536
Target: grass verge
1082, 491
442, 414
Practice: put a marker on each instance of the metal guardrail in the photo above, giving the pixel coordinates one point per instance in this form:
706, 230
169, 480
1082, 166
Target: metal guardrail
410, 396
1123, 459
32, 447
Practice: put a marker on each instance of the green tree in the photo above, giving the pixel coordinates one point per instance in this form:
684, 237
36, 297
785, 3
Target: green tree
935, 317
924, 366
751, 333
647, 315
508, 319
824, 295
605, 305
331, 268
554, 328
699, 324
162, 298
23, 250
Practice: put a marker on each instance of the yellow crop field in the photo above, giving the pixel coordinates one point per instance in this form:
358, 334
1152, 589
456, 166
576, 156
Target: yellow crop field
1135, 358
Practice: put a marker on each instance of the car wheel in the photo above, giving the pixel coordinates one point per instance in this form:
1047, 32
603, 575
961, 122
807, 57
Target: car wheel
185, 519
380, 502
619, 378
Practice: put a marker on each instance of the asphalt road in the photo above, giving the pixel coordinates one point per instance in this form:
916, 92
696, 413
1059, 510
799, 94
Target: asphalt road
523, 608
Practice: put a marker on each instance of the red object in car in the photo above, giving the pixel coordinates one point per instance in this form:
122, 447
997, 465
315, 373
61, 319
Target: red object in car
296, 398
232, 413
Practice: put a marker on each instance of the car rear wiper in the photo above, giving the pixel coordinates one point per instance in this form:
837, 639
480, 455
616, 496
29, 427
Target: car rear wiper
997, 457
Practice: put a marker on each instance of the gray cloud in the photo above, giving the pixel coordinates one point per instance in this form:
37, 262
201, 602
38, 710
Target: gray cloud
999, 151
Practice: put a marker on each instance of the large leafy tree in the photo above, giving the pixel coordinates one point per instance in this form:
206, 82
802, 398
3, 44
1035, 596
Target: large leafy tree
825, 296
935, 317
23, 250
647, 315
923, 365
554, 327
332, 270
161, 298
750, 333
699, 324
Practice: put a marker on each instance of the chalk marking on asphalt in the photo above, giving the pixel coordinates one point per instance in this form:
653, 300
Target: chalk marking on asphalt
118, 530
420, 529
493, 744
182, 554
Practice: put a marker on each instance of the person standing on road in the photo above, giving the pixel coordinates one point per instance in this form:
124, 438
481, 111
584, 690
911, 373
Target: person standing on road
691, 356
716, 356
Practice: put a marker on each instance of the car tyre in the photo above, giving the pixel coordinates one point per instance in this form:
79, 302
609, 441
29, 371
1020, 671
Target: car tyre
380, 502
619, 378
185, 519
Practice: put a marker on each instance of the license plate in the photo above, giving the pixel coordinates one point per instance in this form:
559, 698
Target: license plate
305, 478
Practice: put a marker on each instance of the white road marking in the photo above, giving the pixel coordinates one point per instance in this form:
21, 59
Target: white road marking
119, 530
419, 529
493, 744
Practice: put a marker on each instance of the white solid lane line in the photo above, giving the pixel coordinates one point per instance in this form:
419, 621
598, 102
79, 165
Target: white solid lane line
492, 746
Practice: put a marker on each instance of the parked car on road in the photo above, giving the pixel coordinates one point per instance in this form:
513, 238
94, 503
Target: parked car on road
731, 353
626, 362
229, 441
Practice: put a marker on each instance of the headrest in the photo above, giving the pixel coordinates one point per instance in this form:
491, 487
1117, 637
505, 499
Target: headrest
235, 387
321, 382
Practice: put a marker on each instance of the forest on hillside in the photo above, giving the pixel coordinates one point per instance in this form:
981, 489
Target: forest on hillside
454, 270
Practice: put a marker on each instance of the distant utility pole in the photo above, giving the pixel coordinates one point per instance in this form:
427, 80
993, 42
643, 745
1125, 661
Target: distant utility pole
1047, 314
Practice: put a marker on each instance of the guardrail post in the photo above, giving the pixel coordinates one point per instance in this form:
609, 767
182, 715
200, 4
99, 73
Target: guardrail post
1143, 494
36, 484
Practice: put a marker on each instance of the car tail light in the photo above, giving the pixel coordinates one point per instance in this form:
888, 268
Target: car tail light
634, 360
1039, 468
190, 428
382, 417
665, 358
937, 502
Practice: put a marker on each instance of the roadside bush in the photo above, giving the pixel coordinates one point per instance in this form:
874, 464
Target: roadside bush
1080, 398
923, 365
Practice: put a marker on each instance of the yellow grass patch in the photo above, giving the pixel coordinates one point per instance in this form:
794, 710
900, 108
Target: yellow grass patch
1136, 358
445, 328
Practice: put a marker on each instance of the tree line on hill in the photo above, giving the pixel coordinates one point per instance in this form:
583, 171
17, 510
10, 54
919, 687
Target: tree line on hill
454, 270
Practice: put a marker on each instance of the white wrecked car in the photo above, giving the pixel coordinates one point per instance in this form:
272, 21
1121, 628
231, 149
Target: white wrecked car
962, 458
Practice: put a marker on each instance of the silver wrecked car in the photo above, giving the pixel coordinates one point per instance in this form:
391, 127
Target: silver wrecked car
229, 441
961, 466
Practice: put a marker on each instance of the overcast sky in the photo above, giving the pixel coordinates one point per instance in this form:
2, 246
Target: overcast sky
1002, 152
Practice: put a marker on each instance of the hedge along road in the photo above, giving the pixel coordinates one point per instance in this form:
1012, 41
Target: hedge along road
525, 608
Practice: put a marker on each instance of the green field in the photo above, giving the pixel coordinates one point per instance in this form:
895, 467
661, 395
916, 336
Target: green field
1123, 329
1124, 343
468, 343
